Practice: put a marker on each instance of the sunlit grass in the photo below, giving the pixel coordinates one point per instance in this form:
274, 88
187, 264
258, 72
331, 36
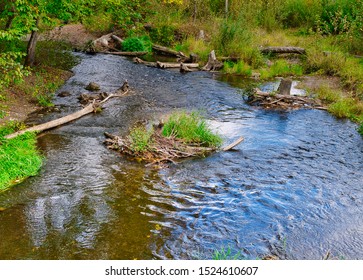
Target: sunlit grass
19, 157
191, 128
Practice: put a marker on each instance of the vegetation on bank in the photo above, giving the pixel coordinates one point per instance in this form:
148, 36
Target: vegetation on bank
19, 157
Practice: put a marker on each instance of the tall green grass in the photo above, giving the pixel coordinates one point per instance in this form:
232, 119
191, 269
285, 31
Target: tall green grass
191, 128
19, 157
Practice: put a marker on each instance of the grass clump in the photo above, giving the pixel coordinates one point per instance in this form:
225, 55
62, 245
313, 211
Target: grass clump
281, 68
226, 254
19, 157
240, 68
140, 139
191, 128
347, 108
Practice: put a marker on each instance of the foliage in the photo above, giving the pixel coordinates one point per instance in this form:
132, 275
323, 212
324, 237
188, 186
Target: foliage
164, 35
360, 129
239, 67
19, 157
191, 128
140, 138
137, 44
226, 254
328, 95
281, 68
11, 71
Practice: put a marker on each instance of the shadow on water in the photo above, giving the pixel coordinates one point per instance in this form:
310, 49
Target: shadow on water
292, 189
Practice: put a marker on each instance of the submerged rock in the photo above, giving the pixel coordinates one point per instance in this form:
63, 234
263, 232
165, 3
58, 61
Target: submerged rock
93, 86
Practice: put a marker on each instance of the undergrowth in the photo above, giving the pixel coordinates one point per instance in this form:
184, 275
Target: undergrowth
19, 157
140, 138
191, 128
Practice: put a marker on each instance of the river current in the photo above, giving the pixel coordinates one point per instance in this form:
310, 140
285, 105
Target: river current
293, 189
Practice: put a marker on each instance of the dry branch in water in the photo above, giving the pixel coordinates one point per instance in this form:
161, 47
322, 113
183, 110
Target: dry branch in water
161, 149
90, 108
280, 101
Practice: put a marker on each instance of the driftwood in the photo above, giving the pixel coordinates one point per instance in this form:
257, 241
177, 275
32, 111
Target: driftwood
167, 51
232, 145
184, 68
281, 50
117, 39
125, 53
147, 63
213, 64
165, 65
162, 149
93, 107
280, 101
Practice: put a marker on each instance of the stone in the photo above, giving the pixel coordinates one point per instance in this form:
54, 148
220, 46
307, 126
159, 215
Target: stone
93, 86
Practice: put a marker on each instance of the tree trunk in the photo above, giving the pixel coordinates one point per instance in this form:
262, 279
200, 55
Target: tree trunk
168, 51
213, 64
285, 87
30, 57
9, 22
76, 115
296, 50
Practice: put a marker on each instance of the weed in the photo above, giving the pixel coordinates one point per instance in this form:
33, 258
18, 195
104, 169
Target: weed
226, 254
140, 138
240, 68
327, 94
191, 128
347, 108
281, 68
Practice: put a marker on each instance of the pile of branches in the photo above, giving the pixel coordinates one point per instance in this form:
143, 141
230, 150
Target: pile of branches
280, 101
160, 150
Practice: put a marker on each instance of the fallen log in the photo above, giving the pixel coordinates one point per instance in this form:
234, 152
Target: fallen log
164, 65
93, 107
281, 101
213, 64
167, 51
125, 53
117, 39
184, 68
147, 63
281, 50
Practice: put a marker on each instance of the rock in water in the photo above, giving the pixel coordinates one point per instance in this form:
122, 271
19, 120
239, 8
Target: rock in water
93, 86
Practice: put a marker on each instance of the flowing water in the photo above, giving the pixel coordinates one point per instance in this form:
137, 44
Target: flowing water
293, 188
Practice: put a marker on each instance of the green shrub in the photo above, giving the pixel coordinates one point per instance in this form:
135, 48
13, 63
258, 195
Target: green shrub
191, 128
164, 35
136, 44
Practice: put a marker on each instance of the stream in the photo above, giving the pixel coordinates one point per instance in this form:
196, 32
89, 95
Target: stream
293, 189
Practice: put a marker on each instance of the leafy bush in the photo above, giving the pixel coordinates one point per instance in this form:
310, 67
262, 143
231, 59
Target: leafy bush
136, 44
164, 35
